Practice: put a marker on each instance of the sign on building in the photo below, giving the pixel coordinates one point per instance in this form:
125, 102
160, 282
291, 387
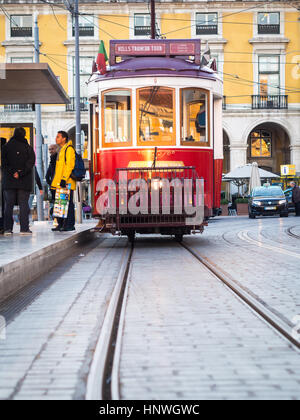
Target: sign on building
288, 170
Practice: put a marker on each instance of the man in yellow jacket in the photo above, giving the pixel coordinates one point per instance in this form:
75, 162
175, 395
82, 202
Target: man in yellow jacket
62, 178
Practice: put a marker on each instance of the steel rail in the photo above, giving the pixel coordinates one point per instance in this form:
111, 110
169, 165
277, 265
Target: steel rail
99, 382
272, 317
290, 233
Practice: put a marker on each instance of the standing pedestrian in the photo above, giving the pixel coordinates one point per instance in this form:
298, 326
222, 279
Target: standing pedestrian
296, 197
53, 149
39, 184
65, 164
18, 159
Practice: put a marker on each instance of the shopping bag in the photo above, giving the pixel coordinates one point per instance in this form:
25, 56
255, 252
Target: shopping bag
61, 203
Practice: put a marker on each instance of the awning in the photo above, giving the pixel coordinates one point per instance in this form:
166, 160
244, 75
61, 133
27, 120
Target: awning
244, 173
31, 83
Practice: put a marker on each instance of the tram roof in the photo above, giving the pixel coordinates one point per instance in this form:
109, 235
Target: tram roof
30, 83
156, 66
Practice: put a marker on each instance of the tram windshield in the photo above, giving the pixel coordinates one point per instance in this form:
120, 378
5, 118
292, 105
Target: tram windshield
156, 116
117, 117
194, 116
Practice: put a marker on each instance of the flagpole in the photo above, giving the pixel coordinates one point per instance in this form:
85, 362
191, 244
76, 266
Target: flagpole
153, 29
39, 141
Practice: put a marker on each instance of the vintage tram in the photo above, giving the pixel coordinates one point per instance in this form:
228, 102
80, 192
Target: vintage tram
156, 115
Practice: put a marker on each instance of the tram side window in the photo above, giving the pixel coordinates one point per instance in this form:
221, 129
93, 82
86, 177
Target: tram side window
117, 118
194, 119
156, 116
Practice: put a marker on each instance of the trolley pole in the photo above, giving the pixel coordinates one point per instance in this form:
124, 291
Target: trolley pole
153, 26
77, 105
38, 117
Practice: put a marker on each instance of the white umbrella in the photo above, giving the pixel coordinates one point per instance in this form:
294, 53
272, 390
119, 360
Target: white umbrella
244, 173
254, 178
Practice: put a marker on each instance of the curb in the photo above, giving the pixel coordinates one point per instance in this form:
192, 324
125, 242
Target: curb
19, 273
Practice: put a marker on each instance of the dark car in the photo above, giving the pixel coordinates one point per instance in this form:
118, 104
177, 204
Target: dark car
288, 194
268, 201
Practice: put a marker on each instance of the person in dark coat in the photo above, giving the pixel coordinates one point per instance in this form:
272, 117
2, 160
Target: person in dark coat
53, 148
296, 197
18, 159
3, 142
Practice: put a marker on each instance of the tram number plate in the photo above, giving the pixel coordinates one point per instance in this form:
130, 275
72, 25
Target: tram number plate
270, 208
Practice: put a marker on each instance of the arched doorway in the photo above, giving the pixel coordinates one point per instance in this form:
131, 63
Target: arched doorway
269, 146
225, 193
84, 138
226, 153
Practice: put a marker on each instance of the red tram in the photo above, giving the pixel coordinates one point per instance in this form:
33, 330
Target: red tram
156, 114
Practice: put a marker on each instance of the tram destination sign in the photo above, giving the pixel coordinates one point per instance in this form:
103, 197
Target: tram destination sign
155, 47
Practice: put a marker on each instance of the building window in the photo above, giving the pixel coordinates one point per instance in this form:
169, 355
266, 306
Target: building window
268, 23
142, 24
20, 26
116, 120
21, 60
156, 116
194, 119
261, 143
269, 75
206, 23
86, 26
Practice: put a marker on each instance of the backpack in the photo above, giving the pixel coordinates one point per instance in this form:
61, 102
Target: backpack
78, 172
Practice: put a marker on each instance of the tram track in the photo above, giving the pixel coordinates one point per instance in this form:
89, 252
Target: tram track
244, 236
103, 380
292, 234
268, 314
103, 377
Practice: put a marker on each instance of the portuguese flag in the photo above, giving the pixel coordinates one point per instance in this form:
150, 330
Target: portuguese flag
101, 59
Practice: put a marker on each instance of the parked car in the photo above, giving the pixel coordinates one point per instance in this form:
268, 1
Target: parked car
267, 201
288, 194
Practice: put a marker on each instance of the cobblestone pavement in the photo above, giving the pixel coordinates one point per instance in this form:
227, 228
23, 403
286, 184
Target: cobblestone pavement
187, 337
260, 255
49, 346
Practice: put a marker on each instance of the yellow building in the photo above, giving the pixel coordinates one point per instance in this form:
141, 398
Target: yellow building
256, 45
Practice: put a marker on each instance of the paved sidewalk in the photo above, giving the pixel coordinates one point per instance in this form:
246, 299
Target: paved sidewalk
25, 258
16, 246
50, 344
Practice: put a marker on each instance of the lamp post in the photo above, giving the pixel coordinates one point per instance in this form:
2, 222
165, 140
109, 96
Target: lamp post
38, 134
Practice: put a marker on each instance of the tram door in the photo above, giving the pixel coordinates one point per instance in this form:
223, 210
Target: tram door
94, 147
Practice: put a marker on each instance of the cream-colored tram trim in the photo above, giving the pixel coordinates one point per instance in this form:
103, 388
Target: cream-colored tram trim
97, 370
244, 236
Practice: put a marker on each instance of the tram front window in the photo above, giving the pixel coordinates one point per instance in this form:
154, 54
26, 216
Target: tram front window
156, 116
194, 117
117, 118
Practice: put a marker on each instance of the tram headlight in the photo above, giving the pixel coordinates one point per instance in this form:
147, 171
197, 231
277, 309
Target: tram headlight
156, 184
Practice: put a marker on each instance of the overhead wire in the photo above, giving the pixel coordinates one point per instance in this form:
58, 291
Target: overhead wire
57, 21
226, 15
158, 18
38, 51
286, 88
84, 16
